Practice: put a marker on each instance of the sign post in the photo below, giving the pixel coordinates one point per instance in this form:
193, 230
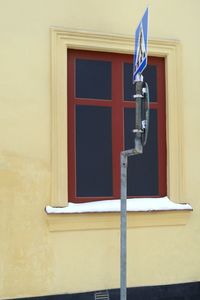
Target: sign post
141, 130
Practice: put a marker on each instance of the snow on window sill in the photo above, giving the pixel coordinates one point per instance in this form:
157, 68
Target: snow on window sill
142, 212
133, 205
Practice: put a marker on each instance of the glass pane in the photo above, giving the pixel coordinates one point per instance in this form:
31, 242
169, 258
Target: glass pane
93, 79
150, 76
93, 151
142, 169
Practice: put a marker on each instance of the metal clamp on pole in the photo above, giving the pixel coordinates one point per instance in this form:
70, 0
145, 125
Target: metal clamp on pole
142, 112
138, 116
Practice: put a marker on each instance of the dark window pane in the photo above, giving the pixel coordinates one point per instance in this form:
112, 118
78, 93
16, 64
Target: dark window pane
142, 169
93, 151
93, 79
150, 76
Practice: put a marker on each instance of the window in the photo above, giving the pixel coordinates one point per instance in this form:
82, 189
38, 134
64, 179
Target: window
62, 41
101, 114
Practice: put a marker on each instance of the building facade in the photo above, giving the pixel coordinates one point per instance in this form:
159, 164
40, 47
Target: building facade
49, 254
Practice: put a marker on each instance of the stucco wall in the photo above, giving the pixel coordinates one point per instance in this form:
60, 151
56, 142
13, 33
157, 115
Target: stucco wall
33, 260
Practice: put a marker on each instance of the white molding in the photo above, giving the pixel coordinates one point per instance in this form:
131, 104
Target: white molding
63, 39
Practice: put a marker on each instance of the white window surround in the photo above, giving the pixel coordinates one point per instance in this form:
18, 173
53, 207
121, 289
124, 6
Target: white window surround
61, 41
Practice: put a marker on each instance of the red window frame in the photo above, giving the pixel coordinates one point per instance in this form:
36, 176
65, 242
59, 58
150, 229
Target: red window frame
117, 104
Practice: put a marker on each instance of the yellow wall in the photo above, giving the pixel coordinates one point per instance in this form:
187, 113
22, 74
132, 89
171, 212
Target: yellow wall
33, 260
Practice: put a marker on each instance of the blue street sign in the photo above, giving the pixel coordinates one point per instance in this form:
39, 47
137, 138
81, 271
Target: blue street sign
141, 41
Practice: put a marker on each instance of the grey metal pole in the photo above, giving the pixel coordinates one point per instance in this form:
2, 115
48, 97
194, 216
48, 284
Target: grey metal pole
124, 161
124, 165
123, 236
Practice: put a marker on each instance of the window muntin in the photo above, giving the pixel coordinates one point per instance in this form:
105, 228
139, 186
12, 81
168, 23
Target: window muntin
153, 178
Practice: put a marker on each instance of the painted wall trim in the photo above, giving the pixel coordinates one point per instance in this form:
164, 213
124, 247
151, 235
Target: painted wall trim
107, 221
63, 39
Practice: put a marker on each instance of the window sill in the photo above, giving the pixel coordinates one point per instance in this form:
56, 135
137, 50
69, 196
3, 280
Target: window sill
142, 212
133, 205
